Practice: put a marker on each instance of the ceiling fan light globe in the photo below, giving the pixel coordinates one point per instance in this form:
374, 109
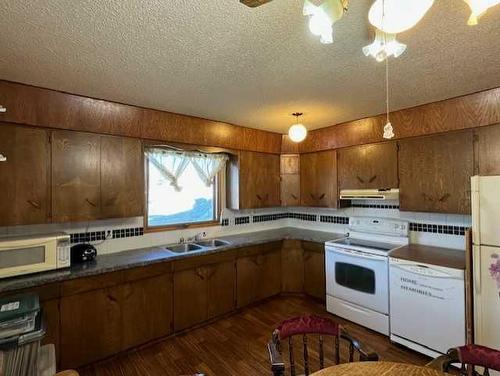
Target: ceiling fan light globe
478, 8
297, 132
399, 15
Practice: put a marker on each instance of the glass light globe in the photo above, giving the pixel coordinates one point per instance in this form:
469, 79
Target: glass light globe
383, 46
297, 133
398, 15
478, 8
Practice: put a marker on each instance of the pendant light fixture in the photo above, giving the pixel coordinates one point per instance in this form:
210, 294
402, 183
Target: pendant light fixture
383, 46
297, 131
322, 17
396, 16
388, 130
478, 8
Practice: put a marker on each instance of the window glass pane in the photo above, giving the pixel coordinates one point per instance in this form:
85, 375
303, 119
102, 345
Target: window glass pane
166, 206
355, 277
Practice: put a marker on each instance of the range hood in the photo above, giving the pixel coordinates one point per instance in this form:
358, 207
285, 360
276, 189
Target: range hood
369, 194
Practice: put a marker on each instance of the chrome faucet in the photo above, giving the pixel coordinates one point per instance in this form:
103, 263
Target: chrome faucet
195, 238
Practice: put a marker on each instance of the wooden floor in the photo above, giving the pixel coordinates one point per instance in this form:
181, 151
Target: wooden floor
236, 345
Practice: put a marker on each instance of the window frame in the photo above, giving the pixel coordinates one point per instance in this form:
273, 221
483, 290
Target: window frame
218, 187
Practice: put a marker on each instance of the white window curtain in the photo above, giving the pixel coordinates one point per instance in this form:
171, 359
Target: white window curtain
172, 164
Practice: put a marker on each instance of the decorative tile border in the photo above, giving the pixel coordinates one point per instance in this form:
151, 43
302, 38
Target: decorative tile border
375, 206
268, 217
92, 236
438, 229
303, 217
224, 222
242, 220
128, 232
334, 219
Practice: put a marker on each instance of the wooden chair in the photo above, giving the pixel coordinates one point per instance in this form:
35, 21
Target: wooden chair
469, 355
304, 325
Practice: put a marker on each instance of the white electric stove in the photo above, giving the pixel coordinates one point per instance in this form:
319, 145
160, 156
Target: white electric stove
357, 270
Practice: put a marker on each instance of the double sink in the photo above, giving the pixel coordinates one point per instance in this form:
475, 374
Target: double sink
198, 246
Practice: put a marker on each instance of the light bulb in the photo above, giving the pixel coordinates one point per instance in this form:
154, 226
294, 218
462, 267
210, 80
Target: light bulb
383, 46
323, 17
396, 16
388, 131
478, 8
297, 132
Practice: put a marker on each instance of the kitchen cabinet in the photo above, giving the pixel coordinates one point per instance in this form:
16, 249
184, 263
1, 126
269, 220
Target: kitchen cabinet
122, 177
488, 146
290, 179
258, 273
24, 175
203, 291
314, 270
75, 176
292, 266
90, 326
254, 181
318, 179
368, 166
435, 173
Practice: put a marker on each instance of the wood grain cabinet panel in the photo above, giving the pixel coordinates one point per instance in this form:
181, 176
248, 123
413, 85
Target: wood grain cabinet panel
318, 179
314, 270
91, 327
435, 173
290, 180
258, 277
146, 307
292, 266
259, 181
75, 176
221, 288
368, 166
488, 150
24, 175
122, 177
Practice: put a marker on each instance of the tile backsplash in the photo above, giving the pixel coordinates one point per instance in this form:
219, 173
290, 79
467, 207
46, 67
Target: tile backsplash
123, 234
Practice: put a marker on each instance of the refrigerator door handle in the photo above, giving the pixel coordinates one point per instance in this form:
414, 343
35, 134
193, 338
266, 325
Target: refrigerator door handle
477, 268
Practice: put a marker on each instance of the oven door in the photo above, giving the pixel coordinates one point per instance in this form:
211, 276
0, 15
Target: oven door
359, 278
28, 257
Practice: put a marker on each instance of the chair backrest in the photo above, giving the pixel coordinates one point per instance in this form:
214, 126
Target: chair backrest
307, 325
469, 356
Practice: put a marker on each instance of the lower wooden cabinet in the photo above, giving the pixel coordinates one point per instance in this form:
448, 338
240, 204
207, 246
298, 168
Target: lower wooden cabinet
258, 273
292, 266
314, 270
203, 292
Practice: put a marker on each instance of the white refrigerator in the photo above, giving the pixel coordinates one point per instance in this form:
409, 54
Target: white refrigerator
486, 259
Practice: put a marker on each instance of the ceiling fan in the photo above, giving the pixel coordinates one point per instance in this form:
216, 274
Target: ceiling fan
254, 3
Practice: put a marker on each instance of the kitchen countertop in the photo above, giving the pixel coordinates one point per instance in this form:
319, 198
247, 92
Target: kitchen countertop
447, 257
146, 256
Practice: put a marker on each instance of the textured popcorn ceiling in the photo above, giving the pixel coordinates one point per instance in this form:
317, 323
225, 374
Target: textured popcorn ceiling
221, 60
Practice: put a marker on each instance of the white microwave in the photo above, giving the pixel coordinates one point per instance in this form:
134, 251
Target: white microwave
33, 254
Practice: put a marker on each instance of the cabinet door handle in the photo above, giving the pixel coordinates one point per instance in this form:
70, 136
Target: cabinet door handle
90, 202
112, 298
359, 179
209, 272
427, 197
34, 204
259, 197
293, 196
322, 196
312, 196
372, 178
200, 273
445, 197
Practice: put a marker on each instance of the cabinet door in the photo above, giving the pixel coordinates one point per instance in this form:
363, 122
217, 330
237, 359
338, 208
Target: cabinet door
435, 173
314, 270
75, 176
221, 292
90, 327
259, 182
318, 179
24, 175
190, 297
489, 150
292, 266
290, 164
269, 281
122, 178
290, 190
247, 275
146, 310
368, 166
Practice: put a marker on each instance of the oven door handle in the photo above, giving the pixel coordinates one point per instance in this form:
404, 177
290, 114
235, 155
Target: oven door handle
359, 254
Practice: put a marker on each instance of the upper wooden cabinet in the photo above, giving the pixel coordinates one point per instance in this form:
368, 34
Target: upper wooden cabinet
488, 139
96, 176
75, 176
24, 175
435, 173
318, 179
122, 177
254, 181
290, 180
368, 166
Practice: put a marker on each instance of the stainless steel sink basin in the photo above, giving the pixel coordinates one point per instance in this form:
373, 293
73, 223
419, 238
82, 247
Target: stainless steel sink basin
213, 243
184, 248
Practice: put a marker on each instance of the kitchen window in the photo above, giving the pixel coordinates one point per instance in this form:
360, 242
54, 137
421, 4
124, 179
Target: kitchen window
184, 188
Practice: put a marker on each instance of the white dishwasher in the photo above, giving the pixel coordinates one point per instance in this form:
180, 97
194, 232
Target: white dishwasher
427, 306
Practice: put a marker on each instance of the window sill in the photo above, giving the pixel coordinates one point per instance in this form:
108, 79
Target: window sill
180, 226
